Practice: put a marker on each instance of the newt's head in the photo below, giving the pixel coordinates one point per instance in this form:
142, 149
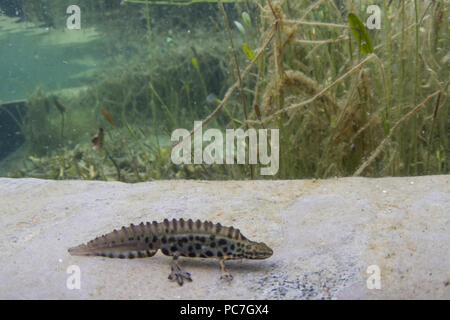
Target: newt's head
257, 250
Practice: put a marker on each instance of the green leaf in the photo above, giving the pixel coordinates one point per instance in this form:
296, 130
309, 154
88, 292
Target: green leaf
240, 27
333, 122
248, 51
246, 18
238, 122
195, 62
360, 33
131, 131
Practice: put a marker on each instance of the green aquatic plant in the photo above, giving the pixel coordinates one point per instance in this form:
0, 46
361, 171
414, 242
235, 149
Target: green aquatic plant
199, 74
246, 18
341, 109
248, 51
235, 59
42, 128
110, 119
62, 110
240, 27
98, 142
178, 2
360, 34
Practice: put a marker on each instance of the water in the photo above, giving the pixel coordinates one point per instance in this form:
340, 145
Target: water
43, 57
141, 72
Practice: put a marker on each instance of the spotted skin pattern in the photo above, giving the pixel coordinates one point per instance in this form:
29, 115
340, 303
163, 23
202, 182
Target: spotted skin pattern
176, 238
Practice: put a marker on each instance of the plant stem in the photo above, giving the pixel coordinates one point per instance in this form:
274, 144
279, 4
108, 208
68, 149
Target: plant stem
241, 88
416, 88
236, 62
114, 162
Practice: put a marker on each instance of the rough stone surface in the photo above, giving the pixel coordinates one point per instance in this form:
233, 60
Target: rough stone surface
325, 234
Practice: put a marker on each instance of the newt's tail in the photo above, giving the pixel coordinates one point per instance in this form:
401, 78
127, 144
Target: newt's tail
129, 242
122, 251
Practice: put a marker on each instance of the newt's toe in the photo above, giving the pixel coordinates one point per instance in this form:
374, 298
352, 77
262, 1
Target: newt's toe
179, 277
226, 277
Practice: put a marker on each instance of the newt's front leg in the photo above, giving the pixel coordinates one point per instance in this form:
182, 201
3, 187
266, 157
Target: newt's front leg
177, 273
225, 274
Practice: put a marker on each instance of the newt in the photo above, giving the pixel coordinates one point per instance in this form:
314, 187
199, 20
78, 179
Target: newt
176, 238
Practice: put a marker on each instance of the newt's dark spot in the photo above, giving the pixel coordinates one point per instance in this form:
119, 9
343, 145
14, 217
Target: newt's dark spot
191, 237
146, 239
131, 256
232, 247
219, 253
192, 254
209, 253
173, 248
111, 255
180, 242
174, 224
155, 238
222, 242
198, 246
165, 251
138, 238
130, 239
164, 240
225, 249
202, 255
121, 256
150, 245
212, 237
190, 249
212, 244
172, 239
202, 239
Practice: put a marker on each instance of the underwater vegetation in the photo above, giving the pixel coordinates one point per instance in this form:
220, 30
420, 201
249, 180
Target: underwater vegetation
347, 100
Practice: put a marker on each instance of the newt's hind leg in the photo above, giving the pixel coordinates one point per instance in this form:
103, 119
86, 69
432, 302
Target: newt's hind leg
225, 274
177, 273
